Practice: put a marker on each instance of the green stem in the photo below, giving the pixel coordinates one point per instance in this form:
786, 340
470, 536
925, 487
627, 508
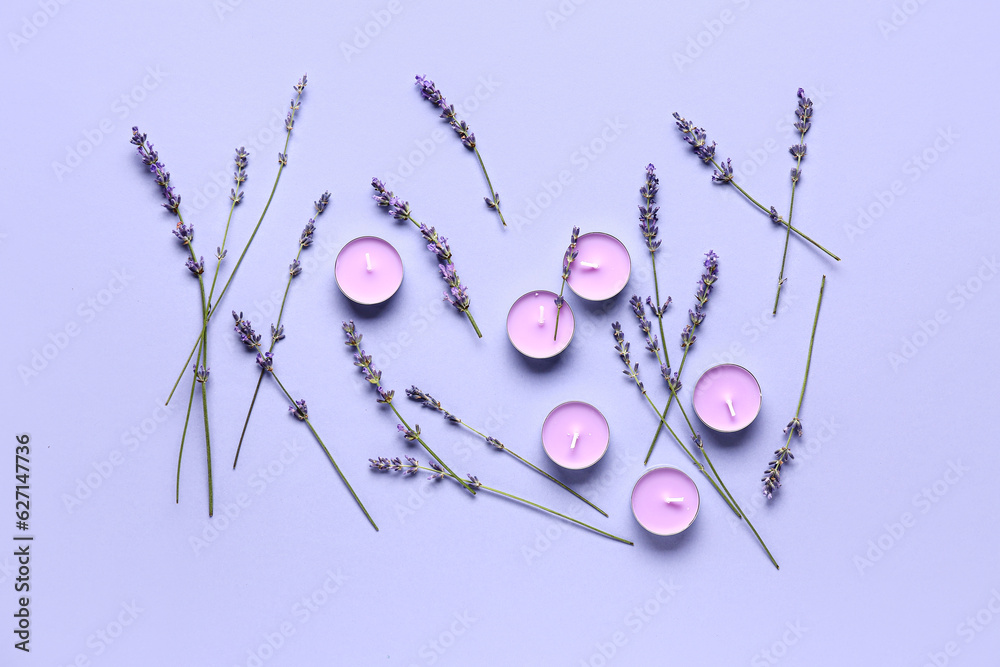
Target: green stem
490, 184
329, 456
281, 312
562, 287
788, 229
741, 512
473, 321
768, 212
696, 462
225, 236
812, 338
225, 288
536, 469
670, 400
180, 453
659, 315
535, 505
431, 451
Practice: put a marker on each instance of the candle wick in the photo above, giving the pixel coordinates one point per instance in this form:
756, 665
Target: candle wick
541, 314
368, 260
576, 435
591, 265
674, 500
729, 402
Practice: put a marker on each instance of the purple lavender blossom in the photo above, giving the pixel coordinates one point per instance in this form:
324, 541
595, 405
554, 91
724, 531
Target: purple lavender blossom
266, 361
428, 401
201, 373
696, 138
151, 159
184, 233
244, 330
803, 113
295, 268
724, 174
658, 311
673, 380
397, 208
434, 96
196, 268
409, 434
649, 214
440, 471
652, 342
300, 410
240, 175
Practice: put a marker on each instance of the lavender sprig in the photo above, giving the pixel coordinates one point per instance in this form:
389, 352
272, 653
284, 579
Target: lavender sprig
278, 329
568, 258
431, 403
298, 409
364, 362
632, 372
695, 319
771, 478
723, 174
648, 221
457, 294
185, 234
283, 160
803, 113
235, 197
411, 466
431, 93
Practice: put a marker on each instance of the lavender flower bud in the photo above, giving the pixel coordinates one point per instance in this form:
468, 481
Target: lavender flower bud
265, 360
490, 440
323, 202
724, 174
299, 410
201, 373
409, 434
196, 268
184, 233
295, 268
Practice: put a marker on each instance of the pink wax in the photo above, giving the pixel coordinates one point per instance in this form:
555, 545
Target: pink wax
531, 325
368, 270
601, 268
727, 398
575, 434
665, 500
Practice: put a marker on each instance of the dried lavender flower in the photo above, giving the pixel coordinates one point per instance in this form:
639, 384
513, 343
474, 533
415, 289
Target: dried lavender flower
201, 373
649, 214
184, 233
568, 258
196, 268
299, 410
431, 93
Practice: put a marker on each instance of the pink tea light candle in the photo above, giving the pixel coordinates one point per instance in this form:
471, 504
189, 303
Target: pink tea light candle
575, 435
727, 398
531, 325
665, 500
368, 270
602, 267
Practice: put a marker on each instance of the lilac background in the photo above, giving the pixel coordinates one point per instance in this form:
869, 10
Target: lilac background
451, 577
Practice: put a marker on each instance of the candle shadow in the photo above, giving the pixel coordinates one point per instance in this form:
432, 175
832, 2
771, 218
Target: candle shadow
736, 438
668, 542
368, 312
536, 365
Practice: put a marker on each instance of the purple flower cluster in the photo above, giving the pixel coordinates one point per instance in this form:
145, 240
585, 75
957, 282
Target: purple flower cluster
364, 362
201, 373
299, 410
245, 332
622, 347
568, 258
696, 138
652, 342
408, 433
434, 96
184, 233
658, 311
383, 464
397, 208
673, 381
803, 113
240, 175
151, 159
428, 401
196, 268
701, 295
649, 214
